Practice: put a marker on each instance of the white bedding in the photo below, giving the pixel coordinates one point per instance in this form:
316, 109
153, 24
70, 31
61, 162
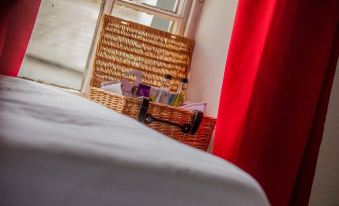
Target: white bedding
58, 149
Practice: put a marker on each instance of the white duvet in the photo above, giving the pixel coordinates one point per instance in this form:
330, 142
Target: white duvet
58, 149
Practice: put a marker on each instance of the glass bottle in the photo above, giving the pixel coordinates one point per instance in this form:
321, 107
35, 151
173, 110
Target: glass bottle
180, 94
165, 87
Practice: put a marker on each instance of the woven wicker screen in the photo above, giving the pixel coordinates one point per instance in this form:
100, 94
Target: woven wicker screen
126, 46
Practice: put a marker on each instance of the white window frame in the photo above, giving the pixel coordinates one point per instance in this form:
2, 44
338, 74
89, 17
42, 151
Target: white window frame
180, 16
186, 18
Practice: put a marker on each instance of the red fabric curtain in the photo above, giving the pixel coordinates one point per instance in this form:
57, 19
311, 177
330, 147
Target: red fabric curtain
278, 77
17, 18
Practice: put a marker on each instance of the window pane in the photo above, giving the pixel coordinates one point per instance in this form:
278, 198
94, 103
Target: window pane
167, 5
60, 42
142, 18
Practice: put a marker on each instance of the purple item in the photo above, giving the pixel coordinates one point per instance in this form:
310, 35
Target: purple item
143, 90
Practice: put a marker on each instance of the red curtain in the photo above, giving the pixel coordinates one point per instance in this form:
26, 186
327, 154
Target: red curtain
17, 18
278, 77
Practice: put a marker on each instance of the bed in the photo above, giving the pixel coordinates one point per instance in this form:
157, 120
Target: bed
58, 149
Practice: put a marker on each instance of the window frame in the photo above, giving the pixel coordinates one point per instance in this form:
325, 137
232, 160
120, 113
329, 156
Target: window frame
180, 17
186, 18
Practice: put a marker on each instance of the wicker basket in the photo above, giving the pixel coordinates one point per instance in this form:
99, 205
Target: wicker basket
126, 46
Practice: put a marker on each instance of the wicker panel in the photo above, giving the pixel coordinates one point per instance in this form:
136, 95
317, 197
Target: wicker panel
115, 102
131, 106
126, 46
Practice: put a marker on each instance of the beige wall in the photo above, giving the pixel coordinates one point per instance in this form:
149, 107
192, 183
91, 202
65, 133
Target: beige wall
325, 191
209, 56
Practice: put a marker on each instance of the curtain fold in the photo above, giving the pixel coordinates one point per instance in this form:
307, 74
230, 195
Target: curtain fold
303, 186
17, 18
275, 93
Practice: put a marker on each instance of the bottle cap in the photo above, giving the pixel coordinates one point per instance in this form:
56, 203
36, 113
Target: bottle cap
168, 76
184, 80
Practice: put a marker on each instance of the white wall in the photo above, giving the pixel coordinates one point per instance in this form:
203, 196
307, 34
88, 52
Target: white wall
209, 56
325, 190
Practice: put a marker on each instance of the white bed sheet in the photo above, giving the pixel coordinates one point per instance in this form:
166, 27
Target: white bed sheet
60, 149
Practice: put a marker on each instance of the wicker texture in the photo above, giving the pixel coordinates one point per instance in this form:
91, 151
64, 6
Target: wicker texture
125, 46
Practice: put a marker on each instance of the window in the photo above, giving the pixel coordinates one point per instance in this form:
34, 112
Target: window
62, 46
143, 18
166, 15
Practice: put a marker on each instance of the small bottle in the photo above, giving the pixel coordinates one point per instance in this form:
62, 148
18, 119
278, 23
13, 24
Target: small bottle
165, 86
180, 94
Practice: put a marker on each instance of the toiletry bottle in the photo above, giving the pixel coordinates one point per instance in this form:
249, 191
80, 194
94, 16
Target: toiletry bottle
165, 86
180, 94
